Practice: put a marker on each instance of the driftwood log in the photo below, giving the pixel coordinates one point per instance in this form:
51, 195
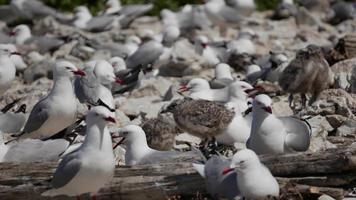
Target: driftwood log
330, 172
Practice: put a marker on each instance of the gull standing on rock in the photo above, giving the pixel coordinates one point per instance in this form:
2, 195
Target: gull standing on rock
58, 109
276, 135
89, 168
254, 180
7, 70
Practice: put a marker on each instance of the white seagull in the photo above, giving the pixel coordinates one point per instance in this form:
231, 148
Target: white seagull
276, 135
58, 109
89, 168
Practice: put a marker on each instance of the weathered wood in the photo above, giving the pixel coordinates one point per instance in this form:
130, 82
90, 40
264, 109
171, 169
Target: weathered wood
333, 168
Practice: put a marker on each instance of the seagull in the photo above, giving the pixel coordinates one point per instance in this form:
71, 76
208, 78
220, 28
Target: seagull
31, 9
276, 135
245, 7
82, 16
201, 44
138, 152
23, 36
89, 168
7, 69
223, 76
219, 13
243, 43
145, 55
254, 180
32, 150
95, 87
199, 88
309, 72
170, 34
15, 58
58, 109
239, 94
118, 64
218, 185
238, 131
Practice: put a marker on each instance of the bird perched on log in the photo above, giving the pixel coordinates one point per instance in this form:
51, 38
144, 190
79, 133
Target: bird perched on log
309, 72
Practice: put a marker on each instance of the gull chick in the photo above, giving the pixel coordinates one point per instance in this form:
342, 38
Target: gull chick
89, 168
309, 72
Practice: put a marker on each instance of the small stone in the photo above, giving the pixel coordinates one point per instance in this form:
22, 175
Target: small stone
325, 197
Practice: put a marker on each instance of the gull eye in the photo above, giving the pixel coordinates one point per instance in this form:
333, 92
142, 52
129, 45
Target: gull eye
242, 161
125, 133
68, 68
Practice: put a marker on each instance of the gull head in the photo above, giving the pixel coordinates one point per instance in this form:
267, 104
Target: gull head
242, 161
104, 72
262, 103
201, 41
21, 33
131, 134
100, 114
66, 68
309, 52
117, 63
195, 85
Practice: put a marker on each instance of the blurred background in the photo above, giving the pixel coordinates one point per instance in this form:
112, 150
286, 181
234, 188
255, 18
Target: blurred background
96, 5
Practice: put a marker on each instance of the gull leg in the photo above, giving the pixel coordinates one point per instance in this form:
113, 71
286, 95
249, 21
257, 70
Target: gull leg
290, 100
93, 197
77, 198
304, 100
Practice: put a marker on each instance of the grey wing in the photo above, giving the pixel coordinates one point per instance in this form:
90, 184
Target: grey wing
66, 170
38, 8
31, 150
100, 23
131, 12
12, 122
298, 133
230, 14
38, 116
46, 44
220, 185
147, 54
86, 91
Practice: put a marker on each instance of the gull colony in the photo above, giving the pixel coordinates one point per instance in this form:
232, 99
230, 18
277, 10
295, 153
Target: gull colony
97, 92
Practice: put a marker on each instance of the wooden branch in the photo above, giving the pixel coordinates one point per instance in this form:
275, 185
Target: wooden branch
333, 168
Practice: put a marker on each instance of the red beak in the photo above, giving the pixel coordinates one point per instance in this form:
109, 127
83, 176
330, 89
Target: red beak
227, 170
268, 109
110, 119
79, 72
183, 88
119, 81
204, 45
12, 33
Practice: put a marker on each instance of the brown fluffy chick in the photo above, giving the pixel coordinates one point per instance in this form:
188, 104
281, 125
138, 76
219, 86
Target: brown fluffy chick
160, 132
204, 119
309, 73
